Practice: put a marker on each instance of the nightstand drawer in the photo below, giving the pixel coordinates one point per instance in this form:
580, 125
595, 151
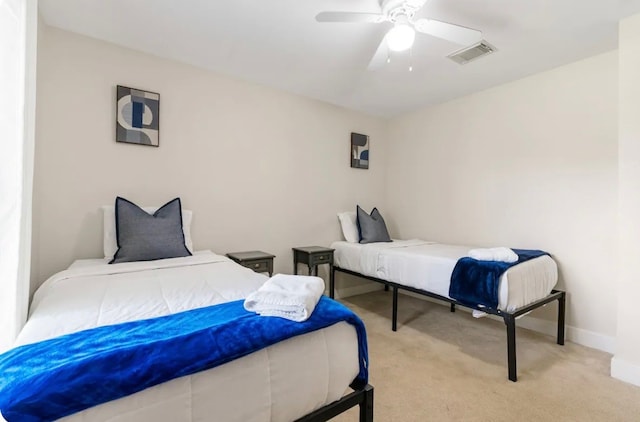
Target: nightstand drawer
258, 266
324, 258
258, 261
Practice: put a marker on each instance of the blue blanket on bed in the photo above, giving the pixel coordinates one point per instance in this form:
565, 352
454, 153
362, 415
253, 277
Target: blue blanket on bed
475, 282
57, 377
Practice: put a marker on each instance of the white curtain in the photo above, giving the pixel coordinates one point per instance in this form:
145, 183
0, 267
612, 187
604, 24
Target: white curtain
18, 26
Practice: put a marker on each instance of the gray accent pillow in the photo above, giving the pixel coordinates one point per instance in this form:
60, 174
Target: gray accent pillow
372, 227
145, 237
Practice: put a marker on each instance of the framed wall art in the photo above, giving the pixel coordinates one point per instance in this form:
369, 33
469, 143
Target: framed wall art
137, 116
359, 151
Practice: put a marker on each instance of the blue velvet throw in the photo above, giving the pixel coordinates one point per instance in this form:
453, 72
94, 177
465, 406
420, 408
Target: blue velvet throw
475, 282
64, 375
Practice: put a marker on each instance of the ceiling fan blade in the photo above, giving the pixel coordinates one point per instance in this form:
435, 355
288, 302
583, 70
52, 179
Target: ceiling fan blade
448, 31
417, 4
350, 17
380, 57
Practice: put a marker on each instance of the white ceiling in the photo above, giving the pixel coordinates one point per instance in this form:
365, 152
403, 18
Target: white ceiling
278, 43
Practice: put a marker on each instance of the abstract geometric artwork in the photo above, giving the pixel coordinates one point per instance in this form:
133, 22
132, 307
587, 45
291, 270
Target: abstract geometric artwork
137, 116
359, 151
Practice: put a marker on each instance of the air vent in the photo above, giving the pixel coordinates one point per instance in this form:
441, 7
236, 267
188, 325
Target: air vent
468, 54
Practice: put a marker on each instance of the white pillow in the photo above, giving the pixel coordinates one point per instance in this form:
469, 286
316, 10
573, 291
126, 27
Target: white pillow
349, 226
110, 240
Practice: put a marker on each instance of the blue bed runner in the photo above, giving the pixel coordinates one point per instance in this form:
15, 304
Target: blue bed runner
475, 282
64, 375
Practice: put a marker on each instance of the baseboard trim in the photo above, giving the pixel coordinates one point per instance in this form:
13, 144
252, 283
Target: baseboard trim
573, 334
625, 371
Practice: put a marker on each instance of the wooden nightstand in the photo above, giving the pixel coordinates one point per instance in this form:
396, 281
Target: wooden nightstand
314, 256
258, 261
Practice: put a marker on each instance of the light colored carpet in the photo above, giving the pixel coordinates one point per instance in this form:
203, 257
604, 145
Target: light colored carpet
443, 366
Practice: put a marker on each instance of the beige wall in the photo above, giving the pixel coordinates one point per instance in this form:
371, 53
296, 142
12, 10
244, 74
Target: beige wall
626, 363
260, 168
529, 164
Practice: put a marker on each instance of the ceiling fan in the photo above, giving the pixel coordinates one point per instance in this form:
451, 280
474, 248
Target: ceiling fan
402, 14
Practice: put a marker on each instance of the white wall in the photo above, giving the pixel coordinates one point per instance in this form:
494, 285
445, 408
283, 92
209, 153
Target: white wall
626, 363
260, 168
529, 164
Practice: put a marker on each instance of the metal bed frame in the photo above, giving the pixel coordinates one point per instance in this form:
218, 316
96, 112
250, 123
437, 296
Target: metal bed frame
508, 317
362, 396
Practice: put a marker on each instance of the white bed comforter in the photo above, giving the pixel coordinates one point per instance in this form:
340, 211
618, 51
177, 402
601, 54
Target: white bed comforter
279, 383
428, 266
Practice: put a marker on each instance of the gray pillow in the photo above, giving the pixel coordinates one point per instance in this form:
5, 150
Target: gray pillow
145, 237
372, 227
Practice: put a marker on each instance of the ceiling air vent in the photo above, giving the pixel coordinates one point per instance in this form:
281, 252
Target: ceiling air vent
470, 53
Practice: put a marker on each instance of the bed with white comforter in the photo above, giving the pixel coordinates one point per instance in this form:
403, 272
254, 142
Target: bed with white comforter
428, 266
279, 383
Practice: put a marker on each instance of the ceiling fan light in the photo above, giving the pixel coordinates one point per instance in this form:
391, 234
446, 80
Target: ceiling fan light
400, 37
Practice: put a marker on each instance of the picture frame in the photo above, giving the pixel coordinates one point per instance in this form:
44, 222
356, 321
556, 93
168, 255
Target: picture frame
359, 151
137, 116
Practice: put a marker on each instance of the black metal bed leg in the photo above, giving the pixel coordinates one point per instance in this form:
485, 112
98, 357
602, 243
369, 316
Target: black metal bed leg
366, 405
332, 283
510, 321
394, 317
453, 307
561, 311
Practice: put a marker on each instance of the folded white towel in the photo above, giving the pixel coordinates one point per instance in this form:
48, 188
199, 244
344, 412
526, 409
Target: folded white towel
292, 297
494, 254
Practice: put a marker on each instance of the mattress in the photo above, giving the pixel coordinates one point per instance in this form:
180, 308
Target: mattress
279, 383
428, 266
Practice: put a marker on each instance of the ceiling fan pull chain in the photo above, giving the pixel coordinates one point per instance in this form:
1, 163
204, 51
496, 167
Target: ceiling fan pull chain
411, 59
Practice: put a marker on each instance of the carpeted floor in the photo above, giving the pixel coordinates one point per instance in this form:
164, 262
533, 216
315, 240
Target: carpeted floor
441, 366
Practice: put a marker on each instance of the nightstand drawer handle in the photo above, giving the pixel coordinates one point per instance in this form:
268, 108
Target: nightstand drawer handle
256, 266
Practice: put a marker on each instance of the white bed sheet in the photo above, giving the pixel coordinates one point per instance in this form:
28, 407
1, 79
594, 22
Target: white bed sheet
428, 266
279, 383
